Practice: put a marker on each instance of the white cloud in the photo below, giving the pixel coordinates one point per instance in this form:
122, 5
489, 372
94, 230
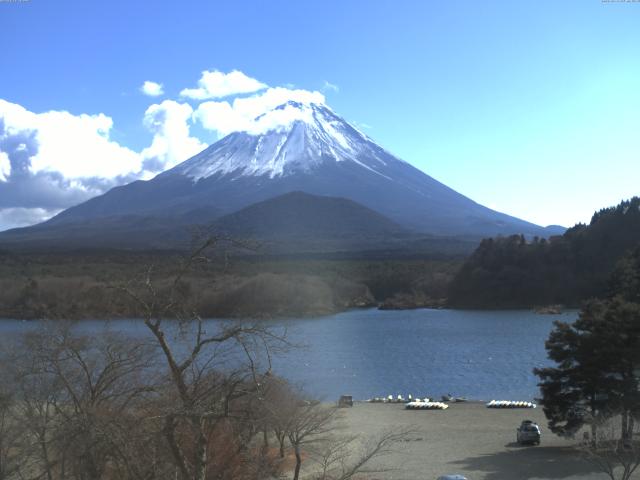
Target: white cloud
75, 146
257, 113
220, 117
5, 167
330, 86
172, 142
53, 160
22, 217
152, 89
216, 84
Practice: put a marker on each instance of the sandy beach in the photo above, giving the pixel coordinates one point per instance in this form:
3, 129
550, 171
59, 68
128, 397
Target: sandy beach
469, 439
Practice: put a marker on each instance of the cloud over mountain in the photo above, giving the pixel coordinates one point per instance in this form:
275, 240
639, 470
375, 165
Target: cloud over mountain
54, 159
172, 142
255, 114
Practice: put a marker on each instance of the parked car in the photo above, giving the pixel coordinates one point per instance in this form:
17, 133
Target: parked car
452, 477
528, 432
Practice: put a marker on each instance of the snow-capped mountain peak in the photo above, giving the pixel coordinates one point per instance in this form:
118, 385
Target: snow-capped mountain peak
297, 137
298, 146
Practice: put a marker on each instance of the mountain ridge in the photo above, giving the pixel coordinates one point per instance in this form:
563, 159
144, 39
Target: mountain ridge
311, 150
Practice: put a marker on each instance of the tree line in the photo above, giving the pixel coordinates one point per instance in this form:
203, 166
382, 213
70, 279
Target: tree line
516, 272
77, 285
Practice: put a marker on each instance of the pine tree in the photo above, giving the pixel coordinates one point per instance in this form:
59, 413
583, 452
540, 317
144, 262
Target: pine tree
597, 372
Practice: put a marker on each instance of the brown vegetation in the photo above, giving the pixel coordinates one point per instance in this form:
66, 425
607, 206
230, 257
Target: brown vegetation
81, 285
615, 450
187, 401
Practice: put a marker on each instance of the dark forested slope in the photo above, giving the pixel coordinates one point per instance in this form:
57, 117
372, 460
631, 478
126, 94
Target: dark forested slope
511, 272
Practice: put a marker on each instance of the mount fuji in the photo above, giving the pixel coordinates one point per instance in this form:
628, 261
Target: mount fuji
296, 147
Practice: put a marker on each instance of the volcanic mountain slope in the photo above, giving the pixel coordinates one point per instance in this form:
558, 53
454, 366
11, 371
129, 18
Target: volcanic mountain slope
300, 222
316, 152
299, 215
293, 223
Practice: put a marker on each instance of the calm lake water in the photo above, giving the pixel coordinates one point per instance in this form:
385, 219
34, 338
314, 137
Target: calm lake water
481, 355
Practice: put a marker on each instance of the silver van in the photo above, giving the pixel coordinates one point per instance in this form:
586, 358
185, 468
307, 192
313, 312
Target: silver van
528, 432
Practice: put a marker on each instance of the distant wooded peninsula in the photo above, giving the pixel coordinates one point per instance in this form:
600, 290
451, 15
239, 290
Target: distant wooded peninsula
515, 272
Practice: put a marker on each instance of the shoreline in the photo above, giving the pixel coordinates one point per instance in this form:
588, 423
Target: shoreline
303, 316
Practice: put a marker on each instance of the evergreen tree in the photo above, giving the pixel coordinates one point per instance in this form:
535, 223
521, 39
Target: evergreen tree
597, 360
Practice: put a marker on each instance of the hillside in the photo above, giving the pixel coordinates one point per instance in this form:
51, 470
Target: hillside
295, 223
300, 222
511, 272
299, 214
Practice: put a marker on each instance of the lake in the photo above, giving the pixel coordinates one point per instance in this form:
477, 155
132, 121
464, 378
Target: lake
481, 355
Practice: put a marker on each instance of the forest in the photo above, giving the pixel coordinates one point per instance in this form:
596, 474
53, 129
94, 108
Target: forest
516, 272
85, 284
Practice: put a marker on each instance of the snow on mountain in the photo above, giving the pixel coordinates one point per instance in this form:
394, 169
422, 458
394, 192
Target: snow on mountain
299, 146
304, 136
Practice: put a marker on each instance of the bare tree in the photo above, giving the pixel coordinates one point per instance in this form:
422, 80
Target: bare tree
615, 451
11, 438
188, 402
344, 458
279, 400
309, 423
37, 412
99, 408
77, 397
213, 366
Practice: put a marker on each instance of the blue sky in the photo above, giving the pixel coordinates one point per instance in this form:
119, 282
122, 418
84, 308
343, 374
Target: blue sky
529, 108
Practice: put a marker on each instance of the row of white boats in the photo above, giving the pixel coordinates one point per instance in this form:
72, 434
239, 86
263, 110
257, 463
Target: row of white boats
510, 404
397, 399
420, 405
427, 403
